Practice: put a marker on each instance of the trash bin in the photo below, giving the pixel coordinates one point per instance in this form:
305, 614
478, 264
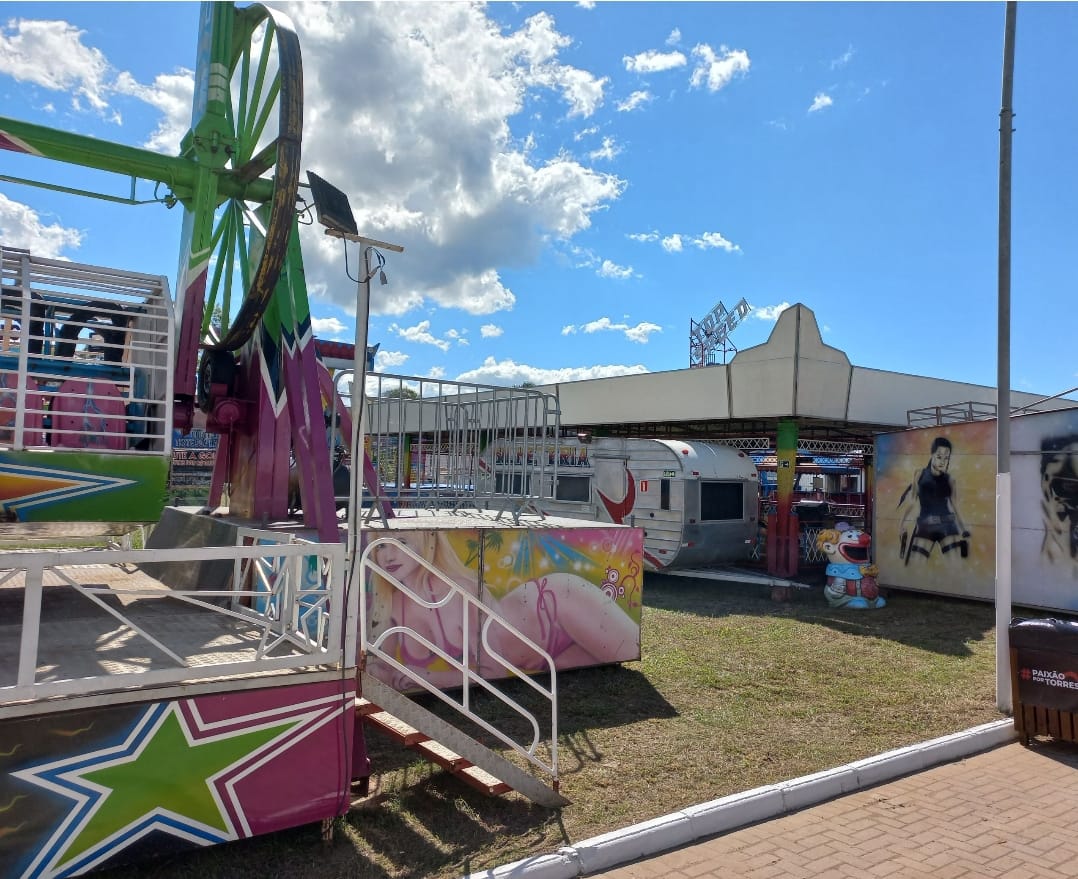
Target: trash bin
1044, 678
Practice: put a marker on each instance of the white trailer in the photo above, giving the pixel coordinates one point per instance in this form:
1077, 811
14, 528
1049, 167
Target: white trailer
697, 502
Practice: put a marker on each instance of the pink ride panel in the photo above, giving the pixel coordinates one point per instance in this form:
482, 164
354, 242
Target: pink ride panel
89, 415
33, 434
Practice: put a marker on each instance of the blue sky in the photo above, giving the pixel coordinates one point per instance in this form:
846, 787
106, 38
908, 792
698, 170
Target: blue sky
573, 183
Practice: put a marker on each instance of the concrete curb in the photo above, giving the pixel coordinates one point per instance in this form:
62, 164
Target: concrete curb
739, 810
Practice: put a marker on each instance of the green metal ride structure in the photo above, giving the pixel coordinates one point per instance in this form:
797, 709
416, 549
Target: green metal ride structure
242, 349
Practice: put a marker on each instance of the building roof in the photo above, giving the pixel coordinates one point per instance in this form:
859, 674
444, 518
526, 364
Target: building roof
794, 374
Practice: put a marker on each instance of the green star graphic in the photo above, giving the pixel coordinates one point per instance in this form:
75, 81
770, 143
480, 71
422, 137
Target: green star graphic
168, 774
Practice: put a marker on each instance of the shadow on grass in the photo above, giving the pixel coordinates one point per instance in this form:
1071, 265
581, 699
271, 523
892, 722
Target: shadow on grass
604, 697
929, 622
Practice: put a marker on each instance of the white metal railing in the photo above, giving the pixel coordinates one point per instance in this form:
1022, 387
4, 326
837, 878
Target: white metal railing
426, 438
300, 621
471, 608
86, 357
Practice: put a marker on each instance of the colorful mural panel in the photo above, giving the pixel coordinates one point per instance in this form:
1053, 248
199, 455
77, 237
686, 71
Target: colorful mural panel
576, 592
935, 509
101, 786
936, 489
1044, 501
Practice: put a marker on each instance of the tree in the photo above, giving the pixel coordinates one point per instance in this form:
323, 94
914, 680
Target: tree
401, 393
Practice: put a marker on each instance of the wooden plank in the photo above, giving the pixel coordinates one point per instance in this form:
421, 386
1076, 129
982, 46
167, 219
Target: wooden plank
438, 753
1053, 723
397, 728
365, 707
483, 780
1066, 726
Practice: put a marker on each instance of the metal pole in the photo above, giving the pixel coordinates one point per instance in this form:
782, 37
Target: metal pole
359, 387
1003, 381
359, 384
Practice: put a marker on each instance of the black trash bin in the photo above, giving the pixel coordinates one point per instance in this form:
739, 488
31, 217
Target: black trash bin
1044, 678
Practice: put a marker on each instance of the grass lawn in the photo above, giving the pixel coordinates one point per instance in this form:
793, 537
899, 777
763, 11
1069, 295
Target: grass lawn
733, 691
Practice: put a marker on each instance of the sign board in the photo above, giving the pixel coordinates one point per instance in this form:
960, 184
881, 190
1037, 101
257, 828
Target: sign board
1048, 679
193, 456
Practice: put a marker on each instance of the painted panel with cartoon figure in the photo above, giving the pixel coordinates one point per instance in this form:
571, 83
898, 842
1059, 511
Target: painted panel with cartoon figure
574, 591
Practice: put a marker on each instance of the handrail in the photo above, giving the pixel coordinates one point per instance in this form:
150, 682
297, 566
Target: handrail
470, 604
311, 624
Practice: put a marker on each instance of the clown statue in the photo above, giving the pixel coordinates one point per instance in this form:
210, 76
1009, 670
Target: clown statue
851, 581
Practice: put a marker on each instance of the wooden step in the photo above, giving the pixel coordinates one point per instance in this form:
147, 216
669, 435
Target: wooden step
397, 728
438, 753
482, 780
365, 707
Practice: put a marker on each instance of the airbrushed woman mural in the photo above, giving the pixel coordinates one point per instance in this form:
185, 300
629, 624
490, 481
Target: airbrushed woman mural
933, 494
934, 525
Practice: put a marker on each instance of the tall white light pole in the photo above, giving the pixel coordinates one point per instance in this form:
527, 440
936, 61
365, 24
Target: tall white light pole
1003, 378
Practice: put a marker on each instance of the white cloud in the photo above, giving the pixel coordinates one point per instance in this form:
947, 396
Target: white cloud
716, 70
327, 327
715, 240
172, 94
634, 101
508, 372
586, 132
820, 102
387, 359
21, 226
770, 312
640, 333
676, 241
652, 61
490, 331
672, 243
607, 151
481, 293
436, 372
419, 334
610, 269
51, 54
843, 59
425, 151
674, 38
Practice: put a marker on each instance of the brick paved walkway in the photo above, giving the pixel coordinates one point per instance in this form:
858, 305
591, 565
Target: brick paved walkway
1010, 812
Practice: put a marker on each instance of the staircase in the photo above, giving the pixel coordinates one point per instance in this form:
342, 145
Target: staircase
409, 723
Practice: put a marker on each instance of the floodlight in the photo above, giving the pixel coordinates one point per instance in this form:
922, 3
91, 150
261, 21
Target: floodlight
331, 205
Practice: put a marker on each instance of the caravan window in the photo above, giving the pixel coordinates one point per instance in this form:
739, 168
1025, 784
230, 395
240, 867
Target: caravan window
573, 488
664, 494
511, 483
721, 501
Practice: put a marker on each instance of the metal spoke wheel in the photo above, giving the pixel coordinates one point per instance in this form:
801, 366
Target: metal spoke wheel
252, 227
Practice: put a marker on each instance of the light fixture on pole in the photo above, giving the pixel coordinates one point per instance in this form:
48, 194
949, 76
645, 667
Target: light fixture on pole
335, 213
